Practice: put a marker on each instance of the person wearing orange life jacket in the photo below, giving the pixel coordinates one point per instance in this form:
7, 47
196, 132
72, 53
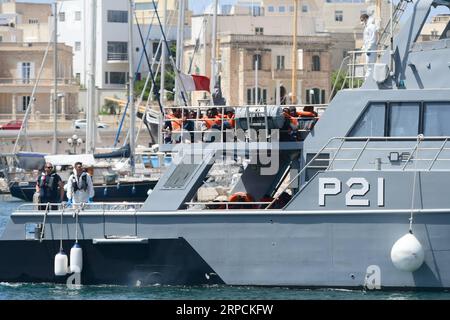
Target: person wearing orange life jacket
230, 121
240, 197
308, 112
212, 119
265, 198
173, 123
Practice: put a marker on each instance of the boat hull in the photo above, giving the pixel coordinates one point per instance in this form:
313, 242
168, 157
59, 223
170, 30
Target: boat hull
273, 249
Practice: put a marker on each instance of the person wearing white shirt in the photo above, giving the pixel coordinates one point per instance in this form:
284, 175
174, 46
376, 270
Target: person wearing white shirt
370, 41
80, 188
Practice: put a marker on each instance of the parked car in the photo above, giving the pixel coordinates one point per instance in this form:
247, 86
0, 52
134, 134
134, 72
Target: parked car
12, 125
81, 124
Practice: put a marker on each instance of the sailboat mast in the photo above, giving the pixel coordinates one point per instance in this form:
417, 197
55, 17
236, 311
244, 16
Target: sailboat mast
90, 112
213, 47
163, 59
294, 55
131, 86
55, 85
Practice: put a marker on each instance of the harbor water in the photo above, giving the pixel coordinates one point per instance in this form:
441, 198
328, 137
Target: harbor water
18, 291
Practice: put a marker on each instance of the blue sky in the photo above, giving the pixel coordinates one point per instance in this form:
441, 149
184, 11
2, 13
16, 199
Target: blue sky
196, 5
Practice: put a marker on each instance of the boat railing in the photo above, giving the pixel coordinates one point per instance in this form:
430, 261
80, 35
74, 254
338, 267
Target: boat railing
104, 207
355, 68
197, 127
226, 205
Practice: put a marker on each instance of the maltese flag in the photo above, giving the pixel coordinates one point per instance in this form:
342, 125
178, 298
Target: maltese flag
194, 83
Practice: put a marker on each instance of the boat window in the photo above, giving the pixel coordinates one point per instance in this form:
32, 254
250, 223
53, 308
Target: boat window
404, 119
371, 124
436, 119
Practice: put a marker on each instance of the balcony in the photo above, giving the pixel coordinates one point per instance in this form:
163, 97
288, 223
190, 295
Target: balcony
113, 57
12, 85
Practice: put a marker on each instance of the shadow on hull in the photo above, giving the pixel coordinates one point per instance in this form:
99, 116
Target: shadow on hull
165, 262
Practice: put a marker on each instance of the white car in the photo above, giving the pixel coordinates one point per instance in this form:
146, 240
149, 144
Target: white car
81, 124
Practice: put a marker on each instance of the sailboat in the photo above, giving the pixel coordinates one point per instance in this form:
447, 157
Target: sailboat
112, 182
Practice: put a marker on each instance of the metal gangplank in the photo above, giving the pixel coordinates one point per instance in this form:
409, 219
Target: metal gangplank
384, 39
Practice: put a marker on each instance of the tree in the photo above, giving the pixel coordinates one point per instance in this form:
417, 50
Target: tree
339, 81
169, 80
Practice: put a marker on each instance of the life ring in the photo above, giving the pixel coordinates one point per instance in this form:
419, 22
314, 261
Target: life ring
240, 197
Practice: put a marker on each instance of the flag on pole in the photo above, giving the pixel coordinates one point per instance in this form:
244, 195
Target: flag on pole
195, 83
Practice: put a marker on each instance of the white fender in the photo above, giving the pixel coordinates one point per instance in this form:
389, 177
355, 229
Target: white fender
76, 259
61, 264
407, 253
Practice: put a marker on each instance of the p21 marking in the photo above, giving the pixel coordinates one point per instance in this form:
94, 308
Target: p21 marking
333, 187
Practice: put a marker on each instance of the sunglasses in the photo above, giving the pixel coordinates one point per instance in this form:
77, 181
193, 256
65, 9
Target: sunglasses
49, 167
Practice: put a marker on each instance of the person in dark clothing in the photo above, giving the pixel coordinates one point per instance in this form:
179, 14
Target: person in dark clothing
50, 188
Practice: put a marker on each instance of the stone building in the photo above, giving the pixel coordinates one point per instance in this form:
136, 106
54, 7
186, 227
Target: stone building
19, 69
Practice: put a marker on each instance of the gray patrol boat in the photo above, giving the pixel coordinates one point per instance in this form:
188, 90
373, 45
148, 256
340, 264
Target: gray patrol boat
368, 201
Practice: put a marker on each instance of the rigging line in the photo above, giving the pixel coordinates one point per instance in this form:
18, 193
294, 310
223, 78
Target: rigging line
119, 130
33, 93
197, 44
61, 239
420, 138
177, 72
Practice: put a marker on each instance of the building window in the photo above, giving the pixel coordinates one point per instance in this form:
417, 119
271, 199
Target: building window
291, 8
305, 8
78, 77
145, 5
434, 35
62, 16
256, 11
33, 21
257, 58
117, 16
117, 78
316, 63
25, 102
26, 72
77, 46
106, 78
117, 51
1, 38
271, 9
262, 96
259, 31
280, 62
339, 15
281, 9
315, 96
77, 15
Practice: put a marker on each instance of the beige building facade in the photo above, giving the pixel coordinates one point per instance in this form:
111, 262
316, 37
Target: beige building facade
19, 70
24, 22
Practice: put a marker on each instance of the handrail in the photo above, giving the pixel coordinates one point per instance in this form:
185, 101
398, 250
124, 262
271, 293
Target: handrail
367, 140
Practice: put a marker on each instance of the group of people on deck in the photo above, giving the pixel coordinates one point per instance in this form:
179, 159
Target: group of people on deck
51, 189
191, 122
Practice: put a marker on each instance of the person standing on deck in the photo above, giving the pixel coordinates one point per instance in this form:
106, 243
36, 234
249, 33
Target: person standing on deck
369, 41
80, 188
50, 187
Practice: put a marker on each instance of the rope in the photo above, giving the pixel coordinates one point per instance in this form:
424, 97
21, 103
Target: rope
413, 198
61, 239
